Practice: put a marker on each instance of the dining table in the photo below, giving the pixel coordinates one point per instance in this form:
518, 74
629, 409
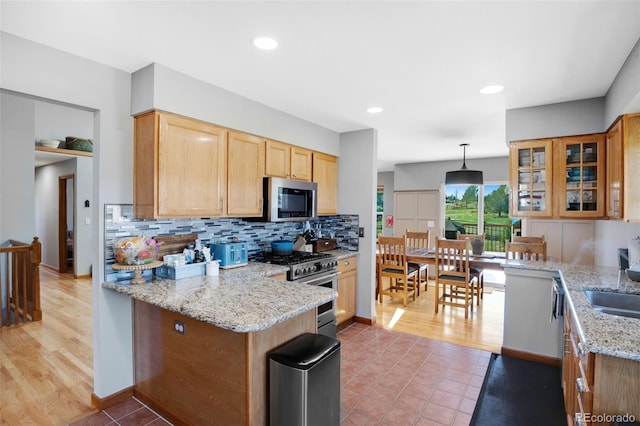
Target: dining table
487, 260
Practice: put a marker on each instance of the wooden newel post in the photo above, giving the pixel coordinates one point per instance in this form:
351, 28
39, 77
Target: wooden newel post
36, 258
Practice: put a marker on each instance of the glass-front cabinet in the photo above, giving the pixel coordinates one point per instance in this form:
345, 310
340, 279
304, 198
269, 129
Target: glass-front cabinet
531, 178
580, 178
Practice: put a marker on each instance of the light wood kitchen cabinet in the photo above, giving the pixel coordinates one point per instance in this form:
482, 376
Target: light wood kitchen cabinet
325, 174
245, 165
615, 157
347, 288
531, 178
596, 384
562, 177
631, 171
179, 167
579, 176
288, 161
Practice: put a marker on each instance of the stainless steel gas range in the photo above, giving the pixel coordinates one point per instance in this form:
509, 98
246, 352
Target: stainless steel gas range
319, 269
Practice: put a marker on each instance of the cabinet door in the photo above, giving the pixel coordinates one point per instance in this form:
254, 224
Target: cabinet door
530, 178
631, 142
301, 163
325, 174
347, 287
277, 159
244, 178
614, 170
191, 167
580, 176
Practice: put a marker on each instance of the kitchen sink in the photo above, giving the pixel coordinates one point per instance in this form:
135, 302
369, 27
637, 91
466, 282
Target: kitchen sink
609, 302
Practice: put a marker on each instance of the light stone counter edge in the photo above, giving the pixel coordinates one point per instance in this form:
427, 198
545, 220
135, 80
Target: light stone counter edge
241, 299
600, 333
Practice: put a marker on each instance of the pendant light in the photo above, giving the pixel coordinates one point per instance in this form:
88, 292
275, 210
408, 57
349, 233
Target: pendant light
464, 176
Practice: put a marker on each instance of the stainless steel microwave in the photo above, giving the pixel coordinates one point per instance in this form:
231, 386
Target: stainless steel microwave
288, 200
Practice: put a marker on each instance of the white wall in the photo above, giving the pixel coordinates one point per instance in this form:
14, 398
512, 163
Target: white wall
357, 195
623, 96
159, 87
105, 91
421, 176
17, 208
561, 119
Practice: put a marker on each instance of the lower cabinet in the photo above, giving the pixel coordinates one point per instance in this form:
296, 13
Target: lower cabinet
347, 288
597, 388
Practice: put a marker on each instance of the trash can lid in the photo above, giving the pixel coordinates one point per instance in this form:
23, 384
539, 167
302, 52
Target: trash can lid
305, 351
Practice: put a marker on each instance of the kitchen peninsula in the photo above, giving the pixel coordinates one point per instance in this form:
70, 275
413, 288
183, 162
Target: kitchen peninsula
601, 352
201, 343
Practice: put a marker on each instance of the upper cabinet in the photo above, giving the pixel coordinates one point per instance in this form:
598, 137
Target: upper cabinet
579, 176
558, 177
179, 167
185, 168
244, 175
287, 161
531, 178
623, 175
614, 170
325, 174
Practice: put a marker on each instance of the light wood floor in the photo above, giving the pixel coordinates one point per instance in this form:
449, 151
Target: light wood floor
46, 367
46, 373
483, 329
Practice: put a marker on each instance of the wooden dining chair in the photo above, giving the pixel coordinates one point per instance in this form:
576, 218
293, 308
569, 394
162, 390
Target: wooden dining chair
525, 251
527, 239
476, 272
453, 275
419, 240
394, 270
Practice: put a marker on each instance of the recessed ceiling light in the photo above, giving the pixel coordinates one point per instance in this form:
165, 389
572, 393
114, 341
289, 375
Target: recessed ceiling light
374, 110
490, 90
265, 43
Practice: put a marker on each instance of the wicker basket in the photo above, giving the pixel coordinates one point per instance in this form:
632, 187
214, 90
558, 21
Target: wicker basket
79, 144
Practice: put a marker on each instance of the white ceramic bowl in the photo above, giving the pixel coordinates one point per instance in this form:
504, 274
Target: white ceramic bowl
49, 143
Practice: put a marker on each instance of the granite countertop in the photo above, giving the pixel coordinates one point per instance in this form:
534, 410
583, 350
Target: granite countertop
600, 333
242, 299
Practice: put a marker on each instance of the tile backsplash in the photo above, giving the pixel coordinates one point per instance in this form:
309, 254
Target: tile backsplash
119, 223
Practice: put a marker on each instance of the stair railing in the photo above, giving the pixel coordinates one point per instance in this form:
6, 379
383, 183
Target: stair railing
20, 282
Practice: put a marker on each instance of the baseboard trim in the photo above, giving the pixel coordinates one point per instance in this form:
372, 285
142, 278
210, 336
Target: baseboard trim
49, 267
158, 408
367, 321
110, 400
529, 356
83, 277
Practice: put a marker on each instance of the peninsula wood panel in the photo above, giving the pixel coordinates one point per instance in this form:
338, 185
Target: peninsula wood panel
208, 375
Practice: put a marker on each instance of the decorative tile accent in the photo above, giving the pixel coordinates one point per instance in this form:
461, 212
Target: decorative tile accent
120, 223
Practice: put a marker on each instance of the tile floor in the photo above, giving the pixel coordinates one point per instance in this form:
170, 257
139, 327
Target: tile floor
388, 378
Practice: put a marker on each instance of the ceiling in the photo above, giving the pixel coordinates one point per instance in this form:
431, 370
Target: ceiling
424, 62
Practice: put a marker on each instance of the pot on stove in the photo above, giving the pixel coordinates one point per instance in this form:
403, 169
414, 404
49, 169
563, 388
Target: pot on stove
282, 247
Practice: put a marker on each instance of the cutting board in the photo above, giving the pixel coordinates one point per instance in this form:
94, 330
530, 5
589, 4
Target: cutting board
173, 243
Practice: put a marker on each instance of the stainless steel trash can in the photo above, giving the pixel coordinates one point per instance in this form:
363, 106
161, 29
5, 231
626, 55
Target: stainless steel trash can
304, 382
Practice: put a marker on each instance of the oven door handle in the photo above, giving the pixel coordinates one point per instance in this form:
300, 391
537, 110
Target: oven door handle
322, 278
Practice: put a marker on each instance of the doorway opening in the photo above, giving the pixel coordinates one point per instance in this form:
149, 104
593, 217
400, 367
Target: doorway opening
66, 219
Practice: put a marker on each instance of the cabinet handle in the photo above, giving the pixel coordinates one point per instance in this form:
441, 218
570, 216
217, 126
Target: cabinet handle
347, 263
582, 388
221, 204
581, 350
580, 422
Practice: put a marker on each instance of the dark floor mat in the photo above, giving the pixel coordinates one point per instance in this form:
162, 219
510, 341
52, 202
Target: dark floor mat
519, 392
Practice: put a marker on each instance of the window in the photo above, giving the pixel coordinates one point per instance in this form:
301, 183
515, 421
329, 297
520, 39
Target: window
469, 208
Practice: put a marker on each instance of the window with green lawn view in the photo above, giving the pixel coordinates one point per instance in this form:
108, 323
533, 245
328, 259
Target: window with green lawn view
470, 208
